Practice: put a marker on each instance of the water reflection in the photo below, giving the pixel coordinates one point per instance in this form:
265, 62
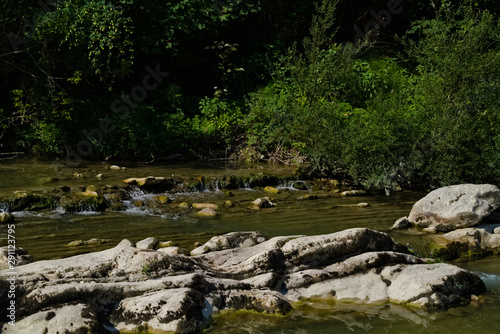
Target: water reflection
317, 317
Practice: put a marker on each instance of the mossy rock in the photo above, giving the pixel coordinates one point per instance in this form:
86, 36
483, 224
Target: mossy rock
457, 250
232, 182
162, 199
184, 205
262, 180
31, 202
195, 185
300, 186
79, 202
272, 190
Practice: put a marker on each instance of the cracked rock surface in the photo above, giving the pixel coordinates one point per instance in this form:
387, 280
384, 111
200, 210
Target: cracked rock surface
127, 288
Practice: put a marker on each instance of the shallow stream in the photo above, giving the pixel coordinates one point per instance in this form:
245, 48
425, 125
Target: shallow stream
46, 236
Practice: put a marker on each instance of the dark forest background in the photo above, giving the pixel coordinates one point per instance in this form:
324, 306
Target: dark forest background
383, 91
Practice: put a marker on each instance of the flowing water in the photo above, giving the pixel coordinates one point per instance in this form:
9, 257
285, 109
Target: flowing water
46, 236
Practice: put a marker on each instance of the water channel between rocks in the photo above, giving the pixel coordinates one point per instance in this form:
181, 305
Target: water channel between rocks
46, 236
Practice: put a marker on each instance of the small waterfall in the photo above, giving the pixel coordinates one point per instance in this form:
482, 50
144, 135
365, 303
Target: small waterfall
4, 207
492, 281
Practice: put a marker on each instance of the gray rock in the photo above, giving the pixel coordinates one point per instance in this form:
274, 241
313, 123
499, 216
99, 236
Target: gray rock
402, 224
354, 193
79, 318
6, 218
263, 202
326, 249
94, 241
241, 263
424, 285
455, 207
18, 257
230, 240
436, 285
466, 243
262, 301
173, 250
200, 206
496, 230
172, 310
207, 212
172, 292
148, 243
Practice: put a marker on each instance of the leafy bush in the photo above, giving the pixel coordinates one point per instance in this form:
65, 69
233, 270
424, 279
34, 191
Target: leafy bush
433, 123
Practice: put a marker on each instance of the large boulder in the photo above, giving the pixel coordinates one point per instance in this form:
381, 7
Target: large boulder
454, 207
381, 277
137, 289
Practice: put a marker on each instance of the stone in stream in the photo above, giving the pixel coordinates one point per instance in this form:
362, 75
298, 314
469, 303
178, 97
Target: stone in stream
200, 206
14, 257
207, 212
153, 184
6, 218
183, 205
454, 207
263, 202
354, 193
94, 241
466, 243
170, 292
300, 186
272, 190
402, 224
148, 243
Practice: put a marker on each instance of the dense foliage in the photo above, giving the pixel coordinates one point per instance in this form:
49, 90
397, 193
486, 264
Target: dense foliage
385, 92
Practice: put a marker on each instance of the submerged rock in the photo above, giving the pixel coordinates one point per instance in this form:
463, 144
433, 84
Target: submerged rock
137, 289
453, 207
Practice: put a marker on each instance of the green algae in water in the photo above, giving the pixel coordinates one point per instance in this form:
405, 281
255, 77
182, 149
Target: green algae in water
326, 317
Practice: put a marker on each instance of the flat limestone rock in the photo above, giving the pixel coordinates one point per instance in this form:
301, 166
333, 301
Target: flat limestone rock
80, 318
325, 249
172, 310
134, 288
454, 207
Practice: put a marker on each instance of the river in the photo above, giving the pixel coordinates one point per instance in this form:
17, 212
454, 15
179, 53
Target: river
46, 236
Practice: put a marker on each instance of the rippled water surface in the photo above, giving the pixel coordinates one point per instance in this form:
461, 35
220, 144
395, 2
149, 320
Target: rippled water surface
46, 236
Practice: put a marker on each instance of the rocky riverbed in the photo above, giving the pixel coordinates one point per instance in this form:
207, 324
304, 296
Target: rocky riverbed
133, 287
155, 286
